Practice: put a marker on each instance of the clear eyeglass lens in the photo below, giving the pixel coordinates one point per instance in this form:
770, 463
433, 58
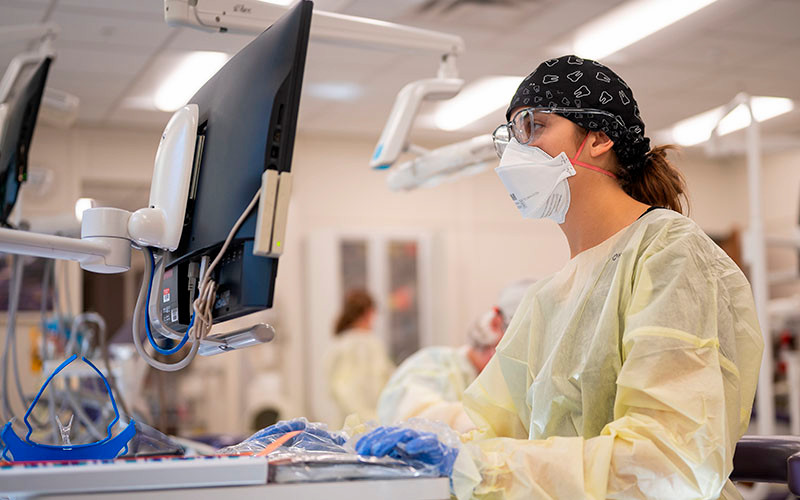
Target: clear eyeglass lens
501, 137
522, 126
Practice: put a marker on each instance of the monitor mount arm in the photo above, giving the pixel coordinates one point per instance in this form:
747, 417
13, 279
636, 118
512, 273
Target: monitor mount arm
252, 17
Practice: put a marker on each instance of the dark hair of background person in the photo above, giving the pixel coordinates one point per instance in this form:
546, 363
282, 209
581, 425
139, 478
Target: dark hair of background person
357, 303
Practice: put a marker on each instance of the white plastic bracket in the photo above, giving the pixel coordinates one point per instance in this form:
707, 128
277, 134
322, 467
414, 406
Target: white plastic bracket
161, 223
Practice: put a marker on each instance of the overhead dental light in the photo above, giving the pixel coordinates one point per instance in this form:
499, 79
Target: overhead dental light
446, 164
629, 23
697, 129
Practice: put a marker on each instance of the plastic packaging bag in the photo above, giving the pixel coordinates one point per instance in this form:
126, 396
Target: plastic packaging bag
317, 454
149, 441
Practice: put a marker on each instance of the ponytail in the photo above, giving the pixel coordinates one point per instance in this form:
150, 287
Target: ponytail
356, 304
656, 181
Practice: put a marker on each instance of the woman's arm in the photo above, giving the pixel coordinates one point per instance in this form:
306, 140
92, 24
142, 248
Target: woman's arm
691, 348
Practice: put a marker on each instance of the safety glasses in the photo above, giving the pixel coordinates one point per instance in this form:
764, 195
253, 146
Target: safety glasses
528, 124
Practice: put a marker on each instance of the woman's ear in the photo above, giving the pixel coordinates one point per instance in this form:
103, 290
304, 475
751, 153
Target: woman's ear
598, 143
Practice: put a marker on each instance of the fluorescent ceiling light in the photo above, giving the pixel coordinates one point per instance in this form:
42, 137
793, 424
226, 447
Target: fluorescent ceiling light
187, 78
82, 205
698, 128
478, 99
629, 23
335, 91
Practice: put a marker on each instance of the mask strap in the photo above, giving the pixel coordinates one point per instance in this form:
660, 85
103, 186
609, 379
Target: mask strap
586, 165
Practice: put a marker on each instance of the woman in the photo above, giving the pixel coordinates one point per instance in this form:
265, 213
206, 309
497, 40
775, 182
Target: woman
631, 372
358, 364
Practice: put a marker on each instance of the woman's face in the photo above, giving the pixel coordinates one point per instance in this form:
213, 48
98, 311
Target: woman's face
554, 134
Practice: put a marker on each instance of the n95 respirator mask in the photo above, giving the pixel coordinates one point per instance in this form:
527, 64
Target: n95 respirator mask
536, 181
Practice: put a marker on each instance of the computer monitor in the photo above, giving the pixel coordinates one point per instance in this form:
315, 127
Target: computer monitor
247, 122
18, 115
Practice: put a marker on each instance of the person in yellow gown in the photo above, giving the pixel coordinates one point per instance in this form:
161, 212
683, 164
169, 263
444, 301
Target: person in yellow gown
631, 372
358, 364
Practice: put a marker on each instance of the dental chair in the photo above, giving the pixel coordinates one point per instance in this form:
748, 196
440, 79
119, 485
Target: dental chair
768, 459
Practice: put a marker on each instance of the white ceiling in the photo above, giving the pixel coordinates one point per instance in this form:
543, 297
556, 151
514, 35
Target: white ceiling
112, 52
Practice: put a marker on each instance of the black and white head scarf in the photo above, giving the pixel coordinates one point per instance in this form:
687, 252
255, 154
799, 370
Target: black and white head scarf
572, 82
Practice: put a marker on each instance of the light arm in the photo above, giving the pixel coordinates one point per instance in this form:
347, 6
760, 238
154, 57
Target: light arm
253, 17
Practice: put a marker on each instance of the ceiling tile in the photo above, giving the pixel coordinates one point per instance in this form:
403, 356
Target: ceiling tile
714, 50
9, 51
151, 9
544, 32
121, 31
12, 14
722, 86
100, 61
335, 62
155, 120
89, 87
493, 17
476, 24
331, 5
380, 10
760, 82
192, 39
479, 63
662, 111
657, 77
782, 58
776, 20
144, 88
26, 4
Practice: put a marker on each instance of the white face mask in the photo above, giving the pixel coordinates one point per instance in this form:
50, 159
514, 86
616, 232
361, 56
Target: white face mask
536, 181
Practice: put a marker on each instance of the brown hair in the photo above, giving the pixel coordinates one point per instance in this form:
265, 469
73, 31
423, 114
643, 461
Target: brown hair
357, 303
657, 182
